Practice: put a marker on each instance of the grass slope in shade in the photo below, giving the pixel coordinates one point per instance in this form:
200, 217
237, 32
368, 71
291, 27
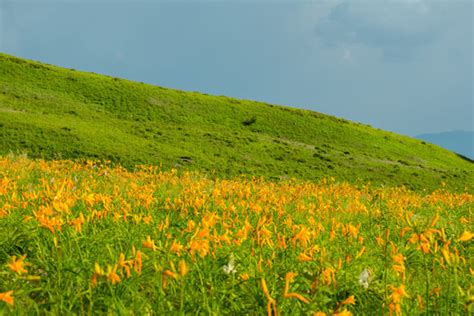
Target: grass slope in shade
52, 112
79, 239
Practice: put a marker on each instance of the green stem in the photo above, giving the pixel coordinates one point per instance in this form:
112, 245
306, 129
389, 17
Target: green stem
427, 285
456, 286
181, 303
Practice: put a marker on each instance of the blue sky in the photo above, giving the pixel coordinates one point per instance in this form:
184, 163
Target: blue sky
399, 65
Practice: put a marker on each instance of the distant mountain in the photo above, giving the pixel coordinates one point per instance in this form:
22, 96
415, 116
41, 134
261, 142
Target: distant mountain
461, 142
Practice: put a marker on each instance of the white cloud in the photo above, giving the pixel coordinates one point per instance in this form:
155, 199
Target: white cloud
347, 56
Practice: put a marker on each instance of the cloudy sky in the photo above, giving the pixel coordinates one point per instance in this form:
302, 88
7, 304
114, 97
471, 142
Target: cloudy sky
400, 65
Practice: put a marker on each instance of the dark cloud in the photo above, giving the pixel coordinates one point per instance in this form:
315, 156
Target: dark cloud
398, 29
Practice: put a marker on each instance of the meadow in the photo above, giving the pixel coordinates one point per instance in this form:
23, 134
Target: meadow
83, 237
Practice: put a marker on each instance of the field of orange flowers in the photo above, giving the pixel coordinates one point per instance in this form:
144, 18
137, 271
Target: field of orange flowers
90, 238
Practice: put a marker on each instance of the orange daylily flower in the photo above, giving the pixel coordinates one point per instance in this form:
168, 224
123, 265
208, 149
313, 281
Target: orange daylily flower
7, 297
288, 279
149, 243
168, 274
18, 265
97, 273
112, 275
396, 298
360, 253
398, 293
329, 276
271, 305
125, 264
78, 222
302, 237
304, 257
349, 300
245, 276
137, 262
176, 247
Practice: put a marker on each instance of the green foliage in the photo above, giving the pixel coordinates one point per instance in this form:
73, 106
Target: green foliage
51, 112
249, 121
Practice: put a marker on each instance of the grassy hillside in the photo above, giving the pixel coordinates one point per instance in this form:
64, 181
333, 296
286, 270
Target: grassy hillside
52, 112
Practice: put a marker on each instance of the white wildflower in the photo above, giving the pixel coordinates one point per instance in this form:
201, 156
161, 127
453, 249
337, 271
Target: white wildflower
230, 267
365, 277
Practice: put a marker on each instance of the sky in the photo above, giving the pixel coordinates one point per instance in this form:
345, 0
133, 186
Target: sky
399, 65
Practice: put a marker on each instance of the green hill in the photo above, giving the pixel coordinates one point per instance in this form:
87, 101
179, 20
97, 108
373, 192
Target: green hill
52, 112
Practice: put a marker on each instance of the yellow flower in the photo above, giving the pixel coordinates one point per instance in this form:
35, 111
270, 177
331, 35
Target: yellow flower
447, 255
344, 312
183, 268
98, 270
466, 236
97, 273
